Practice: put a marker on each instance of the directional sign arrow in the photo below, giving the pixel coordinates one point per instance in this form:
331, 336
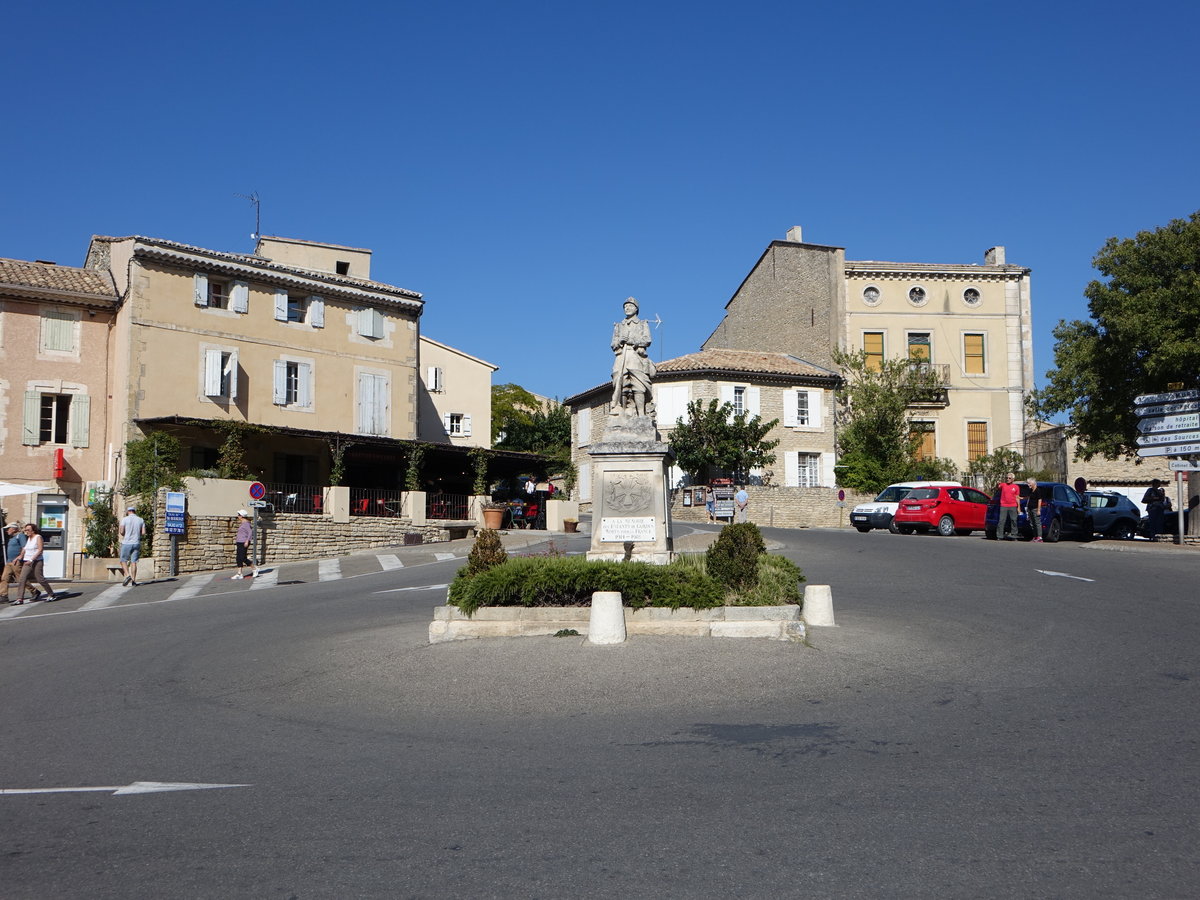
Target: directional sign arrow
1170, 450
1174, 437
1169, 408
1168, 397
138, 787
1185, 422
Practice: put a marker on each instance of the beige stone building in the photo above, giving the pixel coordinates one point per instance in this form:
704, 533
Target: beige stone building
455, 400
55, 323
970, 323
771, 385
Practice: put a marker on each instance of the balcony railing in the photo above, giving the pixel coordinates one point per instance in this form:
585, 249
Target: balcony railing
447, 506
940, 371
373, 502
295, 498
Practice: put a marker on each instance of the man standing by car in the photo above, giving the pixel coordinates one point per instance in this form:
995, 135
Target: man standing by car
1033, 510
1010, 506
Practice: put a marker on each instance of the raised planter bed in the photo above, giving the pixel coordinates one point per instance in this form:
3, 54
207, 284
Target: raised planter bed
781, 623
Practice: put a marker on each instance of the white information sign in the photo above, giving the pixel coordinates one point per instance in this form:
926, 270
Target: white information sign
1171, 437
1170, 450
1167, 397
614, 529
1156, 424
1167, 409
1184, 465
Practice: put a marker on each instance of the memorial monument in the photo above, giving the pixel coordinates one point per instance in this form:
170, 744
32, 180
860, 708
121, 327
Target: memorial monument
630, 514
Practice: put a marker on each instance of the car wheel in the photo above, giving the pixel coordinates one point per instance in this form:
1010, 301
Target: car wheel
1123, 530
1053, 531
862, 530
946, 526
904, 529
893, 527
989, 533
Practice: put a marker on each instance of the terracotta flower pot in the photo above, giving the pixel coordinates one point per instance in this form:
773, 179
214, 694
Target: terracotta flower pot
493, 518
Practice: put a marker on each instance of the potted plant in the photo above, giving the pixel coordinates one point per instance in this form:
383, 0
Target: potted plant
493, 515
570, 526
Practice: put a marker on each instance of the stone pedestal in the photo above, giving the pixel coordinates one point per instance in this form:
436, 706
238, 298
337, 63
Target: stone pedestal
631, 518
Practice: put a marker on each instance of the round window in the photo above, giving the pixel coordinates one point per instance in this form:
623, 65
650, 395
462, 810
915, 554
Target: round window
916, 296
870, 296
971, 297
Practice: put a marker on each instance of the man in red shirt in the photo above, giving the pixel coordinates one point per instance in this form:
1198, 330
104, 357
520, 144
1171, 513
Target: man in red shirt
1010, 507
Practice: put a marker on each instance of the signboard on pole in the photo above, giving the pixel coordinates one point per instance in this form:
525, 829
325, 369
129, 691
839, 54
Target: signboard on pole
1167, 397
176, 512
1184, 465
1171, 437
1183, 422
1191, 449
1168, 409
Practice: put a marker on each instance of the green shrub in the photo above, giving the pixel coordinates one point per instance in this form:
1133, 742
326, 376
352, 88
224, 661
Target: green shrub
102, 526
733, 557
778, 583
487, 552
571, 581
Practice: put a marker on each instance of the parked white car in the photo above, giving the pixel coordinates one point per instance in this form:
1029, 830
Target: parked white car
878, 513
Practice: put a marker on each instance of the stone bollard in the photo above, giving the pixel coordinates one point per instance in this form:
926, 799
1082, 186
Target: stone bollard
818, 605
607, 623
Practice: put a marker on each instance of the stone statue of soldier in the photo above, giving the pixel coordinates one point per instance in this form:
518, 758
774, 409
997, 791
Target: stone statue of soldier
633, 371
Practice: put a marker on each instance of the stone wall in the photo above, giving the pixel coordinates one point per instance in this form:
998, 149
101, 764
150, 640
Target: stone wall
773, 506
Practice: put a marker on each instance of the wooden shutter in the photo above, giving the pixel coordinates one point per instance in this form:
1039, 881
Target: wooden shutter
239, 296
790, 419
32, 425
791, 468
815, 412
200, 289
466, 425
81, 413
873, 347
231, 368
281, 297
752, 402
212, 373
583, 426
973, 357
366, 404
584, 482
280, 383
446, 422
828, 472
304, 385
316, 311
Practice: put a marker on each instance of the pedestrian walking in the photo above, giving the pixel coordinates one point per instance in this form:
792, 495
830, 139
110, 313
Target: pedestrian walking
742, 501
132, 529
710, 503
1155, 500
1033, 509
14, 543
1010, 506
245, 534
31, 567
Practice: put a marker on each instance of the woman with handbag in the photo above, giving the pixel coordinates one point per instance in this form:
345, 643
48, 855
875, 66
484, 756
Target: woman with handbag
31, 566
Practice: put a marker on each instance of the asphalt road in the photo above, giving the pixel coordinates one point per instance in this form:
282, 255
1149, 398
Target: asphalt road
974, 727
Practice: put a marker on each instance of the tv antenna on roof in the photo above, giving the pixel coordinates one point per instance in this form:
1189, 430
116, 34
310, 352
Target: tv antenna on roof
253, 198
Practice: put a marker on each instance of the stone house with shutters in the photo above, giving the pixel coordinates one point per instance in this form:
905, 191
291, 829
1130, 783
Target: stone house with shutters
54, 327
970, 323
798, 489
456, 396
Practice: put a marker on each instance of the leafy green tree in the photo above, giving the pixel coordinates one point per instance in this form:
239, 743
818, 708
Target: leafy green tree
1142, 336
989, 470
712, 441
512, 408
151, 463
545, 430
876, 442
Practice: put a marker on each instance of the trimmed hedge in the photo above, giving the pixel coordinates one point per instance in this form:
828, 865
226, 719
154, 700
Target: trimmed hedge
733, 557
571, 581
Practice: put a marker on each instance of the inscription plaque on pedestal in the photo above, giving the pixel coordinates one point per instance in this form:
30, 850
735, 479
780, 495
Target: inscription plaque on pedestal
619, 529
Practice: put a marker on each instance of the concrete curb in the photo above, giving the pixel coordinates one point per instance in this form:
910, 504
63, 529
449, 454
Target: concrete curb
780, 623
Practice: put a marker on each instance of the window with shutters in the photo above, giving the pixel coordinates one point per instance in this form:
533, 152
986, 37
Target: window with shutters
802, 408
808, 472
370, 323
299, 308
58, 330
220, 373
873, 348
977, 440
293, 384
219, 293
974, 354
739, 400
55, 418
803, 416
920, 346
56, 414
373, 404
457, 424
433, 380
924, 434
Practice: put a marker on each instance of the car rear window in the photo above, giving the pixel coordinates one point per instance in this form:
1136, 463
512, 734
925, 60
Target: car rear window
922, 494
892, 495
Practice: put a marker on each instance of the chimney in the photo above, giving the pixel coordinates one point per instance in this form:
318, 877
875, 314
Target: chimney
994, 257
795, 235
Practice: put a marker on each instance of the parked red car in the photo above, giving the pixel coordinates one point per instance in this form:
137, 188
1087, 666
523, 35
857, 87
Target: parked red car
951, 510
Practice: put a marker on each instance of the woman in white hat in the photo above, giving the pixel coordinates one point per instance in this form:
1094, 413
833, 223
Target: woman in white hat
242, 542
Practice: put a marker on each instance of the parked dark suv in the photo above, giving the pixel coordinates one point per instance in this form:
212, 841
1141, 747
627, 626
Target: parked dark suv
1064, 513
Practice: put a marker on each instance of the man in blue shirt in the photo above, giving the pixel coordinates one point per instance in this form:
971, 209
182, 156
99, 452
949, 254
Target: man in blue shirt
14, 543
742, 501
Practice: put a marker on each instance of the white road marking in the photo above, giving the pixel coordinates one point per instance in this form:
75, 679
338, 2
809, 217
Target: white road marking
389, 561
107, 597
444, 556
424, 587
329, 569
194, 586
1063, 575
138, 787
268, 579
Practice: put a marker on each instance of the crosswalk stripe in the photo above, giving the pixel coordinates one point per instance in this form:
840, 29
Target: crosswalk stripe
441, 556
194, 586
329, 569
107, 597
266, 580
389, 561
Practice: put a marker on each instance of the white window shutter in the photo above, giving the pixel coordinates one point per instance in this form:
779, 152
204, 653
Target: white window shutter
752, 402
827, 470
31, 427
200, 289
304, 386
383, 407
789, 409
815, 399
466, 425
280, 383
727, 393
232, 369
446, 422
434, 378
363, 324
584, 484
584, 426
280, 305
81, 413
239, 296
366, 404
791, 468
212, 373
316, 311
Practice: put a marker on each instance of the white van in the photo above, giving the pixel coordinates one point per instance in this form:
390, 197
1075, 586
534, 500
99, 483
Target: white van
878, 513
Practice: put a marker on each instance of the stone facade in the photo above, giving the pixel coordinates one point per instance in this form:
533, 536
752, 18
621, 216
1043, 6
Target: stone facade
774, 506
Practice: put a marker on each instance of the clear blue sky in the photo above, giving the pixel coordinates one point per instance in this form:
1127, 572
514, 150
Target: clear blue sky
526, 166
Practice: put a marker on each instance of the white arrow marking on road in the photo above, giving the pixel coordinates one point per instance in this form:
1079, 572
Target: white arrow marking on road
427, 587
138, 787
1063, 575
